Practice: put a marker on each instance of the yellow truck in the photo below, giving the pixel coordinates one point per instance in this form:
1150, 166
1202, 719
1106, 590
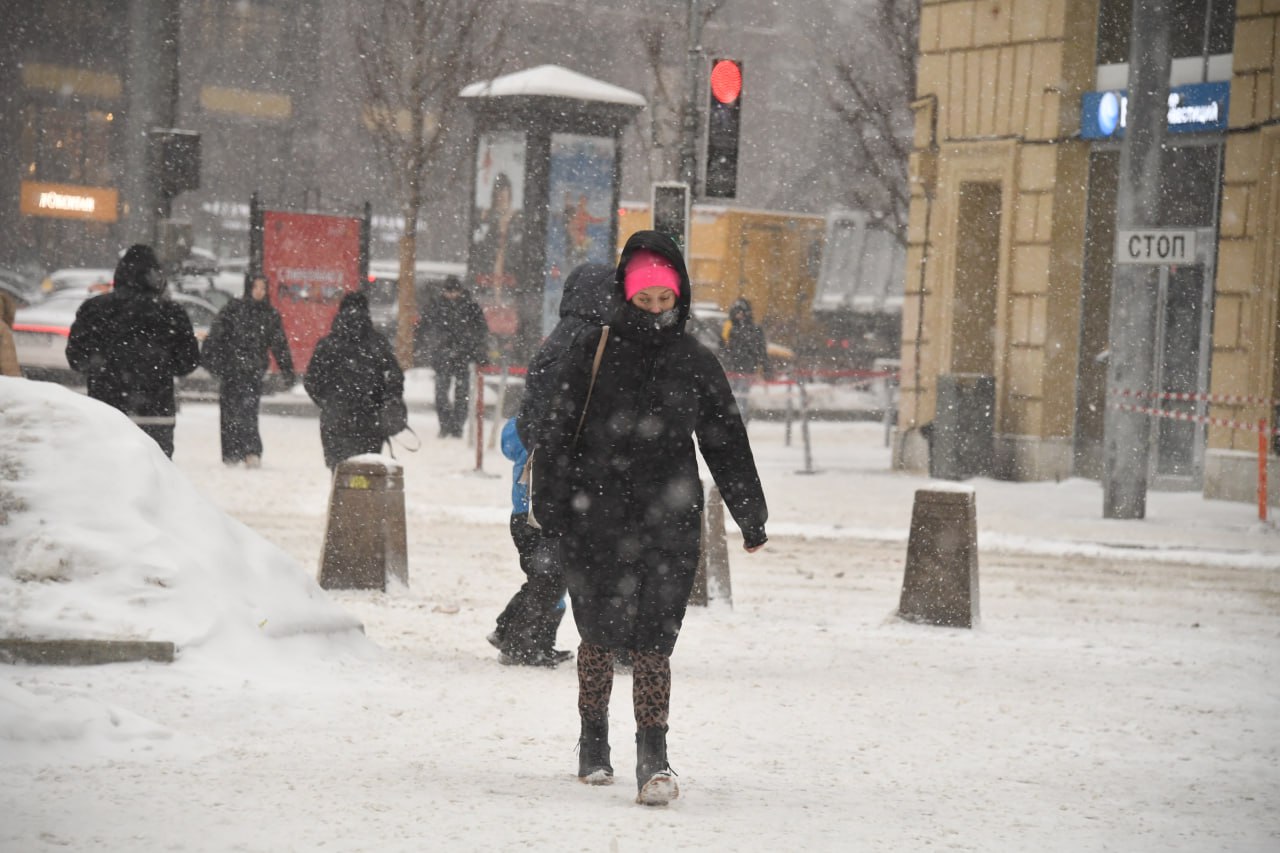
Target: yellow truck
768, 257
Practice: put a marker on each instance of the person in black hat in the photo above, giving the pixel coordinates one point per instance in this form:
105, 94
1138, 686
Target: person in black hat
131, 343
451, 334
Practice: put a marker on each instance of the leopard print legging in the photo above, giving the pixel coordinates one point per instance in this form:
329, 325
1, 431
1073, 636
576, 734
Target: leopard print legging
595, 682
650, 685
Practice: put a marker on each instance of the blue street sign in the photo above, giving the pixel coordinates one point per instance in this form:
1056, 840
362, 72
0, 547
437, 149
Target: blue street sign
1194, 108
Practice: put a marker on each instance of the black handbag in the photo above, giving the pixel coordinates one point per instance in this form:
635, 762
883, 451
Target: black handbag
530, 476
393, 419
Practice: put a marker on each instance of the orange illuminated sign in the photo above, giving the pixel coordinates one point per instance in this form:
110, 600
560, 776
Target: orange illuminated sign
68, 201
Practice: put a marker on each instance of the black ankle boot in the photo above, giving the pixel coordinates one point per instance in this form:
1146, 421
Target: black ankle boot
593, 754
655, 780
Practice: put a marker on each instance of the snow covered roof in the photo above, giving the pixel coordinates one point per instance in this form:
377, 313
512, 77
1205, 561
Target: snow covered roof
556, 82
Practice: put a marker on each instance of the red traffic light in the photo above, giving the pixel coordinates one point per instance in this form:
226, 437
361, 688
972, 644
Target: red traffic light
726, 80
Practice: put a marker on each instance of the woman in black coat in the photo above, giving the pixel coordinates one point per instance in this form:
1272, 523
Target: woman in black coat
624, 494
245, 331
351, 373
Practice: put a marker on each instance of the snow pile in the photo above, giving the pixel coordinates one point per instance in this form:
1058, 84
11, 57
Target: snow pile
102, 537
63, 726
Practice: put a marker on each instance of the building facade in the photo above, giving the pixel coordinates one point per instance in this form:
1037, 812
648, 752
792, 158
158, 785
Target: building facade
1012, 242
275, 90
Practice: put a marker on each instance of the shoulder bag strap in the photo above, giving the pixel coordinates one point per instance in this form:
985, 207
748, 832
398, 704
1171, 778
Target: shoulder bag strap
595, 368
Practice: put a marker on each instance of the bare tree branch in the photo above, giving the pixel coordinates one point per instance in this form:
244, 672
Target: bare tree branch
415, 57
871, 82
666, 47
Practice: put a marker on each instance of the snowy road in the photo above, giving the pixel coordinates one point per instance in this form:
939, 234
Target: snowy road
1113, 698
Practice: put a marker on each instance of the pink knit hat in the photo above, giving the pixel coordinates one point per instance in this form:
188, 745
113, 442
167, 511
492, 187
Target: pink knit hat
649, 269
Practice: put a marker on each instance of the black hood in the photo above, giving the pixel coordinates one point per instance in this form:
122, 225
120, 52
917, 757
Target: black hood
131, 271
589, 293
353, 319
655, 241
742, 306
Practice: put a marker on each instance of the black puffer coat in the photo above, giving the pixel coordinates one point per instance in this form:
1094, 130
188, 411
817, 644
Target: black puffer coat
590, 297
351, 373
626, 495
451, 333
131, 343
245, 331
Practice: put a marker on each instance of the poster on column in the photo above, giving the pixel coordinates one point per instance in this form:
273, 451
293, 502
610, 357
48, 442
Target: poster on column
579, 221
497, 258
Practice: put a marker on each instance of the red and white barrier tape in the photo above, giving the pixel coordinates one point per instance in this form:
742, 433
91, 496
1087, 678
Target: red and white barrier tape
1222, 399
1199, 419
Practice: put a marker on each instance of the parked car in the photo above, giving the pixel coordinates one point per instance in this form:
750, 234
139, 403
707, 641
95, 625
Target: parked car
40, 333
204, 286
77, 278
21, 287
383, 289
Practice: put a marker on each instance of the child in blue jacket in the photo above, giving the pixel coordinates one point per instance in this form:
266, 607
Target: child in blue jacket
526, 631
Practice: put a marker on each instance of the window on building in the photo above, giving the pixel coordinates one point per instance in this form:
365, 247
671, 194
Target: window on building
67, 145
1197, 28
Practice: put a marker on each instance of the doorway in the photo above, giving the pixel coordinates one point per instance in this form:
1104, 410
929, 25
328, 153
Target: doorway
1190, 179
977, 279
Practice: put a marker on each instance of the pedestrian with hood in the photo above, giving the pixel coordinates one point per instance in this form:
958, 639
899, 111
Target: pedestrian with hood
527, 627
451, 334
131, 343
621, 489
244, 334
744, 353
351, 374
8, 349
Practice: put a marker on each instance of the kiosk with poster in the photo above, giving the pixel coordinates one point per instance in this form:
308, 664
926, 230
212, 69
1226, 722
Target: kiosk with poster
545, 197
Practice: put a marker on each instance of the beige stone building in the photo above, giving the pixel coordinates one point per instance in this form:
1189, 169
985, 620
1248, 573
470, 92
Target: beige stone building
1018, 120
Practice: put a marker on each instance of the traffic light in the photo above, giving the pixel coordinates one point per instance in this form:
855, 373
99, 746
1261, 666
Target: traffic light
174, 160
671, 212
723, 119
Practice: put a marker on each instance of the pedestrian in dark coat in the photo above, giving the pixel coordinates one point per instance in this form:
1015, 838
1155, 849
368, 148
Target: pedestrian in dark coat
527, 626
623, 492
744, 353
245, 332
352, 372
451, 334
131, 343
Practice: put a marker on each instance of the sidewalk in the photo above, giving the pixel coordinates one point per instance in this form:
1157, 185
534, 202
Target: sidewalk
855, 495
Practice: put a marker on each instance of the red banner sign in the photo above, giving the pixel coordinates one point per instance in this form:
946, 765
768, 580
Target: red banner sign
312, 261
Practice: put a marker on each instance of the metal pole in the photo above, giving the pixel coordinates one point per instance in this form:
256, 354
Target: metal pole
479, 419
804, 431
1134, 291
790, 413
689, 117
151, 101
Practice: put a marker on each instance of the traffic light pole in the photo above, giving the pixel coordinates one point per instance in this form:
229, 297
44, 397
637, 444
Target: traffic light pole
689, 117
152, 101
1135, 288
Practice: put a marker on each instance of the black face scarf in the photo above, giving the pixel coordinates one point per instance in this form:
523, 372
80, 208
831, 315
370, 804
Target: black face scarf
647, 327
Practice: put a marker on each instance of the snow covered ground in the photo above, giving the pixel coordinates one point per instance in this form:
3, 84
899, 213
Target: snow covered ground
1121, 692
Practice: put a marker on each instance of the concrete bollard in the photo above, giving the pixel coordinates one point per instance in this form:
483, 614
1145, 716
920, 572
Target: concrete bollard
364, 537
940, 586
712, 578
